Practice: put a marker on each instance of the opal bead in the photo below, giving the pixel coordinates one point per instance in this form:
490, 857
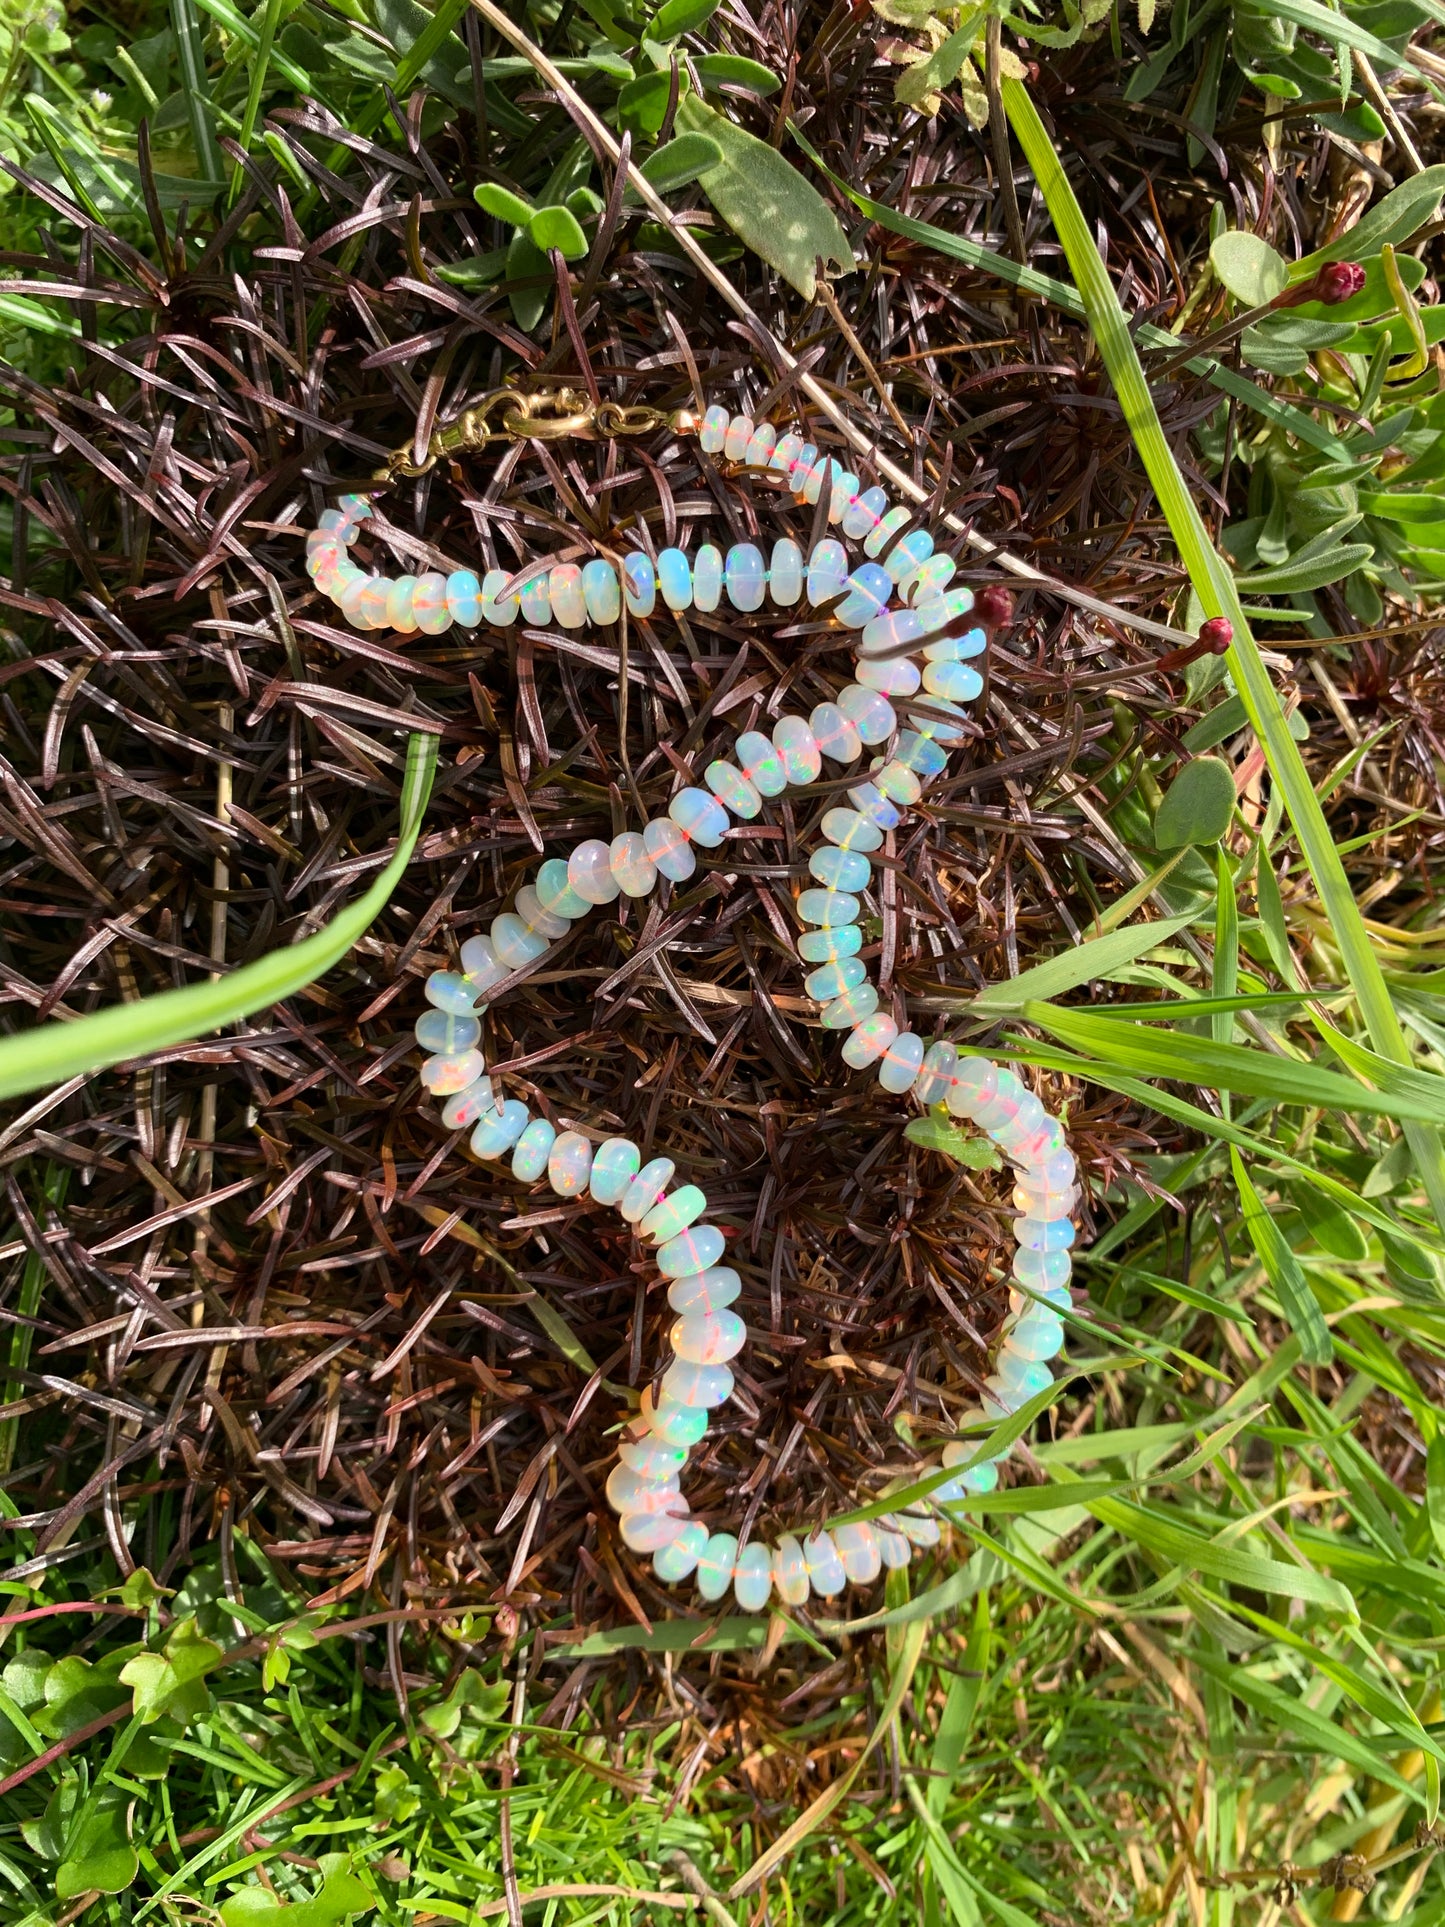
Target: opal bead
1025, 1376
827, 571
785, 453
830, 943
893, 1548
653, 1458
753, 1578
1039, 1202
371, 607
937, 611
615, 1164
862, 514
738, 434
798, 747
974, 1081
532, 1150
674, 1562
858, 1552
513, 942
349, 601
466, 1107
429, 604
676, 1424
828, 907
936, 1076
940, 720
715, 1565
464, 598
869, 591
669, 849
589, 872
445, 1075
567, 596
555, 893
709, 1338
850, 1009
354, 506
704, 1291
327, 521
920, 754
785, 574
569, 1164
893, 676
499, 1130
1042, 1268
544, 922
633, 870
645, 1189
445, 1030
639, 584
760, 763
480, 964
760, 445
868, 1040
887, 527
399, 612
842, 494
929, 579
898, 784
953, 680
744, 576
825, 1568
834, 733
499, 605
601, 591
802, 467
700, 817
895, 630
899, 1065
790, 1571
707, 576
705, 1385
628, 1493
673, 1214
834, 978
1057, 1297
921, 1529
732, 789
537, 600
908, 553
674, 579
1044, 1234
1036, 1334
867, 711
851, 831
815, 479
714, 430
649, 1531
692, 1250
448, 990
838, 869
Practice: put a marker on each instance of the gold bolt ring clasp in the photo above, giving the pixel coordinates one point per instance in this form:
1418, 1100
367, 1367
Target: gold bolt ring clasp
557, 415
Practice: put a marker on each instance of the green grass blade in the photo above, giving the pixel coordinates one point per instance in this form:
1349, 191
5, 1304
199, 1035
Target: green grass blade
55, 1051
1214, 585
1283, 1269
192, 59
260, 66
1096, 957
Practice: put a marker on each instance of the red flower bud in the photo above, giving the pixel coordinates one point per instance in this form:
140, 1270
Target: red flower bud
1216, 635
994, 607
1338, 281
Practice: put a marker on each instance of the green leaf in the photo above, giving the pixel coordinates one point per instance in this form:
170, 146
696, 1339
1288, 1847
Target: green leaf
76, 1692
767, 203
1083, 963
340, 1896
1282, 1268
681, 161
1392, 221
642, 103
941, 68
1249, 267
732, 70
1198, 805
1221, 1558
471, 1692
140, 1591
1435, 1491
492, 198
1297, 577
1330, 1225
100, 1858
677, 17
557, 228
172, 1682
934, 1133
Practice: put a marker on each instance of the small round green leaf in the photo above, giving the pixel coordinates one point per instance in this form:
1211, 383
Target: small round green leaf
1198, 806
734, 70
492, 198
557, 227
1249, 267
1329, 1224
679, 17
680, 161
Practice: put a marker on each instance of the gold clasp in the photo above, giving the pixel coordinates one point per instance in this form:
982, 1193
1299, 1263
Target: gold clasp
555, 415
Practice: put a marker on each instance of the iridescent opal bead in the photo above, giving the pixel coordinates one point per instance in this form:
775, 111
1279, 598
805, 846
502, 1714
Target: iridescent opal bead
974, 1082
827, 572
851, 831
601, 591
850, 1009
1044, 1234
429, 604
890, 676
715, 1565
499, 601
868, 1041
921, 1528
899, 1065
615, 1164
908, 554
673, 1214
480, 964
709, 1338
1037, 1333
569, 1164
649, 1531
532, 1150
674, 1562
835, 978
707, 578
668, 848
732, 789
633, 869
700, 817
790, 1571
745, 577
838, 869
825, 1568
940, 720
566, 595
690, 1384
370, 602
785, 453
834, 733
1021, 1378
858, 1552
785, 574
714, 430
555, 893
868, 712
753, 1577
863, 514
893, 1548
692, 1250
639, 582
936, 1076
589, 872
895, 630
760, 763
704, 1291
843, 492
400, 614
929, 579
760, 445
446, 1031
816, 479
465, 1107
676, 1423
537, 917
499, 1130
513, 942
644, 1190
802, 467
449, 990
798, 747
1043, 1270
464, 598
738, 434
443, 1076
953, 680
920, 754
536, 598
888, 526
828, 907
898, 784
830, 943
629, 1494
674, 579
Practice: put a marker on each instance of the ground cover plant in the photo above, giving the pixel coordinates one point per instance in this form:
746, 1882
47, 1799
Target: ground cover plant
312, 1608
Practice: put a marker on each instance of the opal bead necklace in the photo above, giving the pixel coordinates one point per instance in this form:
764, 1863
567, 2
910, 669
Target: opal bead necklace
919, 644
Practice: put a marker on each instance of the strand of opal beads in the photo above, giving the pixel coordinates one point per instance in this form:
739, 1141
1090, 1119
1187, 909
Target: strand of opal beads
644, 1488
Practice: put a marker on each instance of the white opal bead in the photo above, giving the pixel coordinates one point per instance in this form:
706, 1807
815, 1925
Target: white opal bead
891, 632
675, 1423
760, 445
825, 1567
709, 1338
627, 1492
895, 676
869, 713
802, 468
567, 596
739, 434
858, 1552
546, 923
1037, 1333
798, 747
704, 1291
828, 907
863, 513
639, 584
753, 1577
849, 1008
466, 1106
537, 601
954, 680
835, 734
744, 576
790, 1571
870, 801
480, 964
555, 893
1044, 1234
695, 1249
827, 572
446, 1031
513, 942
851, 831
760, 763
569, 1164
713, 432
899, 1065
929, 579
785, 453
842, 494
951, 648
833, 979
815, 479
690, 1384
898, 784
532, 1150
447, 1074
1042, 1268
936, 1076
881, 536
785, 574
499, 601
644, 1190
1038, 1201
921, 1528
674, 1562
700, 817
908, 554
649, 1531
614, 1166
974, 1082
601, 591
651, 1458
869, 1040
1021, 1378
673, 1214
633, 870
669, 849
449, 990
589, 872
715, 1565
707, 578
674, 579
732, 789
893, 1548
499, 1130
